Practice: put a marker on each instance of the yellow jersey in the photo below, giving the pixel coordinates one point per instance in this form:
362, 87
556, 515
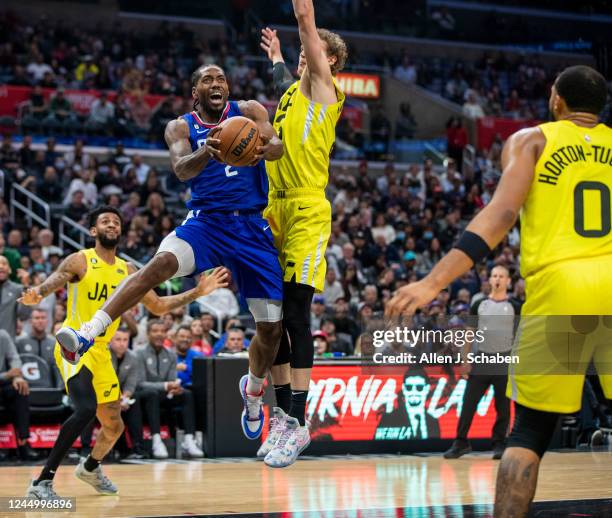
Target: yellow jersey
308, 132
568, 211
89, 294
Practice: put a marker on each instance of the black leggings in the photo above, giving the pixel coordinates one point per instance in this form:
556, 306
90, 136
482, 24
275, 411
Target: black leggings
83, 396
296, 345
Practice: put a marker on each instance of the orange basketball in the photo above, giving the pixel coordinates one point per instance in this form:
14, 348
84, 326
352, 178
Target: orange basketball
239, 137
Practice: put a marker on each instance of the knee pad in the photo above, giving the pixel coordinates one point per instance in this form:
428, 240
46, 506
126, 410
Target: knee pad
296, 320
533, 429
182, 251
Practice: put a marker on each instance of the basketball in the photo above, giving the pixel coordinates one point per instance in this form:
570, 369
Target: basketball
239, 137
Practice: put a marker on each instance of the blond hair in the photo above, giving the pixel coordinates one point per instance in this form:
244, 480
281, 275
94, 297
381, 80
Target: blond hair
335, 47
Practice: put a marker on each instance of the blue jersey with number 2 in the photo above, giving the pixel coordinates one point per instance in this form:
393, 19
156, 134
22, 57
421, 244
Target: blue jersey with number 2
220, 186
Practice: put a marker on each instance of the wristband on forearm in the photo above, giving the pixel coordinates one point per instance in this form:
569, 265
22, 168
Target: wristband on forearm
472, 245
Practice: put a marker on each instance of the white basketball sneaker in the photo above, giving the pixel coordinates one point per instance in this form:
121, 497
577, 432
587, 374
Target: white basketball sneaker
277, 426
293, 441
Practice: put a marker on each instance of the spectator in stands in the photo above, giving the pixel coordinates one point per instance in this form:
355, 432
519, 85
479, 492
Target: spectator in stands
84, 182
20, 77
49, 188
406, 71
10, 308
338, 343
160, 118
321, 343
130, 208
332, 289
14, 391
185, 354
35, 110
130, 373
198, 343
234, 342
382, 229
457, 140
38, 341
45, 241
161, 387
12, 256
38, 68
86, 69
141, 114
47, 304
471, 107
14, 240
140, 167
101, 116
317, 311
77, 210
61, 116
209, 335
344, 321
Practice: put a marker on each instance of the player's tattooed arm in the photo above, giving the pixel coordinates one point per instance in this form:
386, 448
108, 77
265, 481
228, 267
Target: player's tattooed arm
218, 278
271, 147
186, 163
322, 89
71, 269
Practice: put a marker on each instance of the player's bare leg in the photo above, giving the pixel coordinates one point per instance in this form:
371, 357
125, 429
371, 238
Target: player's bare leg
516, 482
129, 293
89, 470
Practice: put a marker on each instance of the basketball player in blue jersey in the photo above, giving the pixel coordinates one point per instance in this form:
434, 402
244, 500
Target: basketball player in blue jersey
224, 227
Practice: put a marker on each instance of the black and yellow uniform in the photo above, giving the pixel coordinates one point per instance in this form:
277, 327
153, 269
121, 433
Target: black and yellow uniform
298, 212
85, 297
566, 260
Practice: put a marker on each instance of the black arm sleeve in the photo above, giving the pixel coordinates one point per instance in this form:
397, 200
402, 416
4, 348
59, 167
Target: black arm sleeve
282, 77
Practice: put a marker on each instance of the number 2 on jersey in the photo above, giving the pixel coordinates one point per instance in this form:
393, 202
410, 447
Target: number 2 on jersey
228, 168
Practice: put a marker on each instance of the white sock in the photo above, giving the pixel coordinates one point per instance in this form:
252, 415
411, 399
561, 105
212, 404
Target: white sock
254, 385
96, 326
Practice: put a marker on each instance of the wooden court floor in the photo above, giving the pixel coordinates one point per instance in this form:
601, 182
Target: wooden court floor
319, 485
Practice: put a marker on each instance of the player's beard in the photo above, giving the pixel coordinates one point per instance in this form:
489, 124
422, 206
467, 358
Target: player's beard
107, 242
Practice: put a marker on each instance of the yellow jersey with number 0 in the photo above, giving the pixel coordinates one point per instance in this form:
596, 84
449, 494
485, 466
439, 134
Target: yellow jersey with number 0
568, 212
308, 132
89, 294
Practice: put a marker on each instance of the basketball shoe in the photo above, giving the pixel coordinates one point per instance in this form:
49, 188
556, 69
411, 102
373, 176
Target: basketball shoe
252, 418
277, 426
293, 441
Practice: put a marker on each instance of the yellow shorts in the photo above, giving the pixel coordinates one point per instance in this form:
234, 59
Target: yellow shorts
98, 361
300, 220
566, 324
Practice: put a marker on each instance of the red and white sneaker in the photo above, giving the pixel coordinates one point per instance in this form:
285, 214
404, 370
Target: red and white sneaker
277, 426
293, 441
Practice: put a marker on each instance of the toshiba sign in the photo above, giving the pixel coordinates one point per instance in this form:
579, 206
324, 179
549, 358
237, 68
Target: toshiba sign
366, 86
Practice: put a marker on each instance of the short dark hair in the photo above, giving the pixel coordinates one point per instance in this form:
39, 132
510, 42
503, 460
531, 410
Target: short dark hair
583, 89
197, 73
183, 327
154, 322
123, 329
93, 216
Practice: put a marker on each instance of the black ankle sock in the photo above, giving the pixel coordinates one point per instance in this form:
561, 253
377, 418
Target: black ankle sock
46, 474
283, 397
298, 405
91, 463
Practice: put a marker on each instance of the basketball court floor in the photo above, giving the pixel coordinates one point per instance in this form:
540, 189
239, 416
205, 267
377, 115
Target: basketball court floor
570, 484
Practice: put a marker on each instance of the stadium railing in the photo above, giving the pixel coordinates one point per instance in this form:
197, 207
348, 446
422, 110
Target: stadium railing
30, 205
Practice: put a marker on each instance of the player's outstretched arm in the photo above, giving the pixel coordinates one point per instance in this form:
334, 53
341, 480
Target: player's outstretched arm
519, 157
281, 75
70, 269
319, 72
272, 148
218, 278
185, 163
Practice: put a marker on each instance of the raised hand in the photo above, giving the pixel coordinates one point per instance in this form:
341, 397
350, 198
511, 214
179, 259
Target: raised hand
271, 45
219, 278
30, 297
